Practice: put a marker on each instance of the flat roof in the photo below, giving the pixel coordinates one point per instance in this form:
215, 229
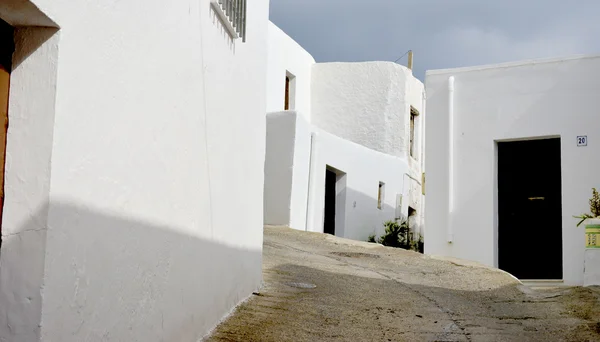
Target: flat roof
510, 64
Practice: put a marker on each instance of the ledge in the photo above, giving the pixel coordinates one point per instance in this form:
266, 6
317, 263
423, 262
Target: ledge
224, 19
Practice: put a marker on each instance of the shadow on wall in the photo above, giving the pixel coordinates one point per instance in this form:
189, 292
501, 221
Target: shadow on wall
28, 40
218, 23
114, 278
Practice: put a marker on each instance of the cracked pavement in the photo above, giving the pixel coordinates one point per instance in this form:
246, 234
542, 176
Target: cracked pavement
323, 288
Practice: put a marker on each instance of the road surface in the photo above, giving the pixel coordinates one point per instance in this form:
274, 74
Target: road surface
322, 288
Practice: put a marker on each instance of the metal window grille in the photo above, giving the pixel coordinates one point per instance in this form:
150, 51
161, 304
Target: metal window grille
234, 12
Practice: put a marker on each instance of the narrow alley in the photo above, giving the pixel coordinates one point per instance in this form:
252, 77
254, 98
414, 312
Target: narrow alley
322, 288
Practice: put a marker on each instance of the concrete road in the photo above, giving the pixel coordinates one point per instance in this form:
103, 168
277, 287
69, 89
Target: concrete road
322, 288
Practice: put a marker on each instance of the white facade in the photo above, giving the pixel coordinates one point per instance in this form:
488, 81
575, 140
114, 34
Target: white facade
288, 58
350, 117
136, 130
491, 104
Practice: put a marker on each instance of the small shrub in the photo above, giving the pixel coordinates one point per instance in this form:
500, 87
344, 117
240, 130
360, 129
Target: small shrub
594, 208
397, 234
595, 203
372, 238
418, 245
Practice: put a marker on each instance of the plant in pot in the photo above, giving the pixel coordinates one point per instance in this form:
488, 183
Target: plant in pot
592, 219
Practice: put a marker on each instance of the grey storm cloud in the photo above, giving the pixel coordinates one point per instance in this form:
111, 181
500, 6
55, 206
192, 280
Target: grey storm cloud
441, 33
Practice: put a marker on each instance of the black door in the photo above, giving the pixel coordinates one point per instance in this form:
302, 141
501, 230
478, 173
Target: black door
329, 221
529, 209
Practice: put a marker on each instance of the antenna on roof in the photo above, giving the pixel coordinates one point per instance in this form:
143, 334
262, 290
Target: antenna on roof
410, 58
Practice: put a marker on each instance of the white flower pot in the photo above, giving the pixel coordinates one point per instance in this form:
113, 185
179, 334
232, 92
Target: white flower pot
591, 270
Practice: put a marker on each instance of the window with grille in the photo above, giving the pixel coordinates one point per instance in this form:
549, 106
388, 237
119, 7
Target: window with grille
233, 15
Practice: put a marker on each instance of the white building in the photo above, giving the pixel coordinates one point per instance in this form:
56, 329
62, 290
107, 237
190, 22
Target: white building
134, 168
512, 155
344, 151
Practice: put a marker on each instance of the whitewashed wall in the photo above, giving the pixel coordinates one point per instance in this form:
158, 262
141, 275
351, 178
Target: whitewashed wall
359, 108
367, 103
279, 168
27, 180
157, 156
364, 168
287, 56
500, 102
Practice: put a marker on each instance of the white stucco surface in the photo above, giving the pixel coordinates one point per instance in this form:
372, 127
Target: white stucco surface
364, 170
301, 174
592, 267
154, 204
501, 102
367, 103
27, 182
279, 167
288, 57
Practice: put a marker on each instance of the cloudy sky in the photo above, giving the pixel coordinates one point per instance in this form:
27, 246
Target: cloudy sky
441, 33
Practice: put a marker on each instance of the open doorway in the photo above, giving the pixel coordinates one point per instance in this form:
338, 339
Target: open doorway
335, 202
530, 209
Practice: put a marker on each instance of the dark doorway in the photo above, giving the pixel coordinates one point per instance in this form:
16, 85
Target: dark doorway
330, 194
530, 209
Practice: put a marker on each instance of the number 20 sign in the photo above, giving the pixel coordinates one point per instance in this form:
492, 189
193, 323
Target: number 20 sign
582, 140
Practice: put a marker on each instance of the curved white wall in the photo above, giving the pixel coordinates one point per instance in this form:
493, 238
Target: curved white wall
511, 101
287, 56
367, 103
154, 224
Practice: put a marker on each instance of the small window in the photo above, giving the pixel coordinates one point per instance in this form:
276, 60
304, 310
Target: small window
287, 93
380, 195
413, 115
233, 15
290, 92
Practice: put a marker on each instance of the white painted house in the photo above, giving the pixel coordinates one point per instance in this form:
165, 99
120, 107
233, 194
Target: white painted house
344, 143
512, 155
134, 167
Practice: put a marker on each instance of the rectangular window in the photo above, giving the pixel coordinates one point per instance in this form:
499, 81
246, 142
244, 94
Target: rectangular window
290, 91
380, 195
287, 94
413, 115
233, 16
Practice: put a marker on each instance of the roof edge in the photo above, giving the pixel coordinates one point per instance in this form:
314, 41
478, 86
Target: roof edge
509, 64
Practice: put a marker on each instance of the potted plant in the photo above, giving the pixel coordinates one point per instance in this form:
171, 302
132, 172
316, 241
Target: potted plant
592, 219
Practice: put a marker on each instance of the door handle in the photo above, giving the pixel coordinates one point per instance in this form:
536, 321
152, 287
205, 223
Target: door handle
537, 198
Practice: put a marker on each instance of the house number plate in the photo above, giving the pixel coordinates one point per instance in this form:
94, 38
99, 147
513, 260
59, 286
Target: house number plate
582, 140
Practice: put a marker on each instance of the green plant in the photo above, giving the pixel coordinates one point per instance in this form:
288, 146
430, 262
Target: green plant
594, 208
397, 234
371, 238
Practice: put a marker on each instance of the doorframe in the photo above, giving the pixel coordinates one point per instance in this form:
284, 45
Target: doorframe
496, 218
340, 201
31, 113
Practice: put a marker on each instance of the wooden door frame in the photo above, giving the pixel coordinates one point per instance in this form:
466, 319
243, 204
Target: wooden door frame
7, 48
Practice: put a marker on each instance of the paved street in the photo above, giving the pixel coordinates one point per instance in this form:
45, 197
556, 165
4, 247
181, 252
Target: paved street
322, 288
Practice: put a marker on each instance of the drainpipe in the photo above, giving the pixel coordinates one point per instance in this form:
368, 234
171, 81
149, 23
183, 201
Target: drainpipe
450, 158
310, 215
